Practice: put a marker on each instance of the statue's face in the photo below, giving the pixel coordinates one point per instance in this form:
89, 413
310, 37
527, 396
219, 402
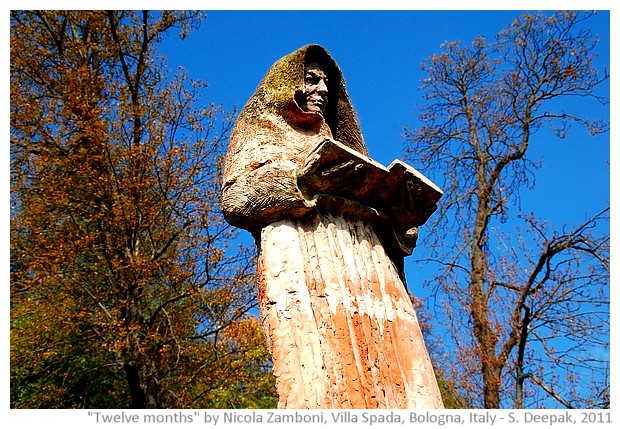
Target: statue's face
315, 89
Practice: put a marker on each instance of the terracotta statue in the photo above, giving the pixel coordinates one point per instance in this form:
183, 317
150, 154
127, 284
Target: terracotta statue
332, 227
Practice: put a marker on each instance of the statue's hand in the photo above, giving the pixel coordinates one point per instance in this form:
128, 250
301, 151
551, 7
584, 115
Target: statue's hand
338, 179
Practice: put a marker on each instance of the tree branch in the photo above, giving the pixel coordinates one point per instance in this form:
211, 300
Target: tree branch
548, 389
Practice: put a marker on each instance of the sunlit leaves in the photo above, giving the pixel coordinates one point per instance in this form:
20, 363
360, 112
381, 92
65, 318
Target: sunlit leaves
122, 275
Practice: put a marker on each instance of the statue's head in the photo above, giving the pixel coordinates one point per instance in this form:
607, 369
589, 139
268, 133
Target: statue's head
306, 88
315, 93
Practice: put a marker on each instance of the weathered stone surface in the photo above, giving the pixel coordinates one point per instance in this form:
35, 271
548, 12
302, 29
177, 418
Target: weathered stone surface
332, 227
399, 190
340, 324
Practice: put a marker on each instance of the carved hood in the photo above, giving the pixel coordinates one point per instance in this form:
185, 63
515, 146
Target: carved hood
272, 136
278, 92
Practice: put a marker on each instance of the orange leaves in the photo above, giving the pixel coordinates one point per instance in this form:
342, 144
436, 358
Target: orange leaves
570, 72
116, 239
246, 333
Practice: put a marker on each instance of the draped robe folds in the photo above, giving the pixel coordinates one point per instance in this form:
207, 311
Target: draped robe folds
336, 314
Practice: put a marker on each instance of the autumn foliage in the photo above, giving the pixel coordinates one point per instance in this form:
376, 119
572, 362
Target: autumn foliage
125, 288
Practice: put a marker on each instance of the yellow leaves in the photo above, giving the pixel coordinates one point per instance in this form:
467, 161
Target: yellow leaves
115, 220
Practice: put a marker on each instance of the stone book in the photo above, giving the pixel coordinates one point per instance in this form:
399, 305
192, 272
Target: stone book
399, 190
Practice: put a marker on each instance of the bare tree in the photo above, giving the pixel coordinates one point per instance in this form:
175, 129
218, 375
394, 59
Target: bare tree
537, 309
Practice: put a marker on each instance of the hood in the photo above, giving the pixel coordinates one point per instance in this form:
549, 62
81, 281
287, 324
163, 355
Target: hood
281, 87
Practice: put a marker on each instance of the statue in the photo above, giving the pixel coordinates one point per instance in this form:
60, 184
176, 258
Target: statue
332, 228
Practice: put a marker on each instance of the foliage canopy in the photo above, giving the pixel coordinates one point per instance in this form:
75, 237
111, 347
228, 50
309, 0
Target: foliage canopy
125, 291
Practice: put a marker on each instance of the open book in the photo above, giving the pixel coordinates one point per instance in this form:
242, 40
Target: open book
398, 190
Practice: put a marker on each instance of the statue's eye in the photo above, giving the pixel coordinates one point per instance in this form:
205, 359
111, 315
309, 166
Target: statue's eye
311, 79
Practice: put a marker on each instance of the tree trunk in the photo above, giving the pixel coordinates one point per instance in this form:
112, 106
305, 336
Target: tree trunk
483, 332
520, 358
141, 387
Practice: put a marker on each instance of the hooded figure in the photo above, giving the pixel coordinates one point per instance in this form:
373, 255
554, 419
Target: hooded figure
336, 314
273, 135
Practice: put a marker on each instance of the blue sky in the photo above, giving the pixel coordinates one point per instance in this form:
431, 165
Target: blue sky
379, 53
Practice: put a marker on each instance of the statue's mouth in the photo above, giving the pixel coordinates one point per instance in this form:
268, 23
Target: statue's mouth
316, 103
